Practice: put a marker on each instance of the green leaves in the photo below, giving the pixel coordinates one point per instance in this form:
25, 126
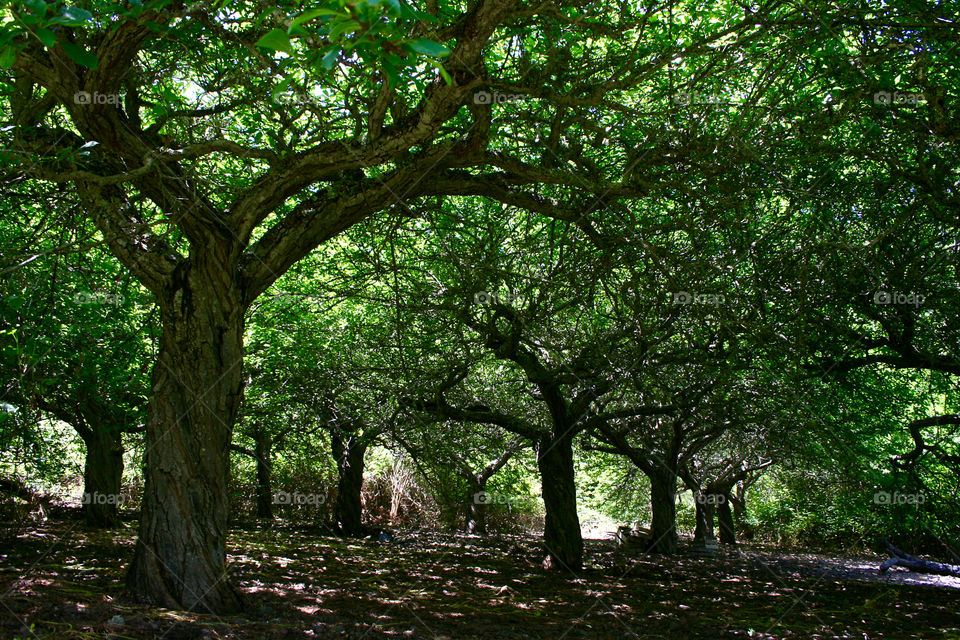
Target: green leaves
373, 31
34, 22
345, 26
329, 59
276, 39
7, 57
73, 17
309, 15
38, 7
47, 37
429, 48
80, 55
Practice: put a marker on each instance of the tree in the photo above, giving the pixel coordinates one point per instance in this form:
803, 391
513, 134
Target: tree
207, 192
473, 452
75, 335
224, 244
321, 359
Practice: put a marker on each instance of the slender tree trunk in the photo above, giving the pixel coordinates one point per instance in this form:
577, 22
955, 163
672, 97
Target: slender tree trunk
561, 535
102, 474
180, 557
705, 509
263, 443
349, 454
727, 529
475, 520
663, 502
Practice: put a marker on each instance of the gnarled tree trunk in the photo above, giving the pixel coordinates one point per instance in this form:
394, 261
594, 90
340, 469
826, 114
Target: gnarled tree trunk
179, 561
663, 502
475, 520
705, 508
102, 474
349, 453
739, 504
561, 535
727, 528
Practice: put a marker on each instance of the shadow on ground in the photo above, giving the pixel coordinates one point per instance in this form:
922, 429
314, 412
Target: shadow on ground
65, 582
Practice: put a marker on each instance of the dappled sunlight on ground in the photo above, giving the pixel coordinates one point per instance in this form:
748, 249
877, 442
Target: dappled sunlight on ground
66, 582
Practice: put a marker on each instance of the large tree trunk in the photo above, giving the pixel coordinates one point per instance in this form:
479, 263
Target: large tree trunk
349, 453
561, 535
262, 445
727, 528
663, 502
705, 508
102, 474
475, 520
179, 561
739, 504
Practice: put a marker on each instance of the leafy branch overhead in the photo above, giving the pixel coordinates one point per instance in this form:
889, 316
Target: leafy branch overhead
610, 258
368, 33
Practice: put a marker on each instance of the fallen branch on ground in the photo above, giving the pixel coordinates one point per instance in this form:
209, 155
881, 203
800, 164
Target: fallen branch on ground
899, 558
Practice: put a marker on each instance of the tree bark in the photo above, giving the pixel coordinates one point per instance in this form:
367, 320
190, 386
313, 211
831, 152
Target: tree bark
180, 557
725, 520
900, 558
739, 504
102, 475
263, 443
663, 502
705, 509
349, 454
475, 520
561, 535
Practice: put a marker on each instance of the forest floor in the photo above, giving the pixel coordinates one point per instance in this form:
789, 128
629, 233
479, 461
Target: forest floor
60, 580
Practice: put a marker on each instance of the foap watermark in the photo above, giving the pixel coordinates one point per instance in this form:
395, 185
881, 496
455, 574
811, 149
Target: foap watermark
710, 498
85, 97
695, 97
685, 297
285, 497
98, 297
495, 97
488, 497
102, 498
893, 297
888, 498
486, 297
897, 97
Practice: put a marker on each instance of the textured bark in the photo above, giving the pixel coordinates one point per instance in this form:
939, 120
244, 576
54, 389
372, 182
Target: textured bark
727, 527
561, 535
663, 502
102, 474
475, 519
705, 515
263, 443
179, 561
349, 454
739, 504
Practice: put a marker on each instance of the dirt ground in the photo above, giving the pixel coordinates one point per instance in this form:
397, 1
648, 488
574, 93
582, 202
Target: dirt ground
62, 581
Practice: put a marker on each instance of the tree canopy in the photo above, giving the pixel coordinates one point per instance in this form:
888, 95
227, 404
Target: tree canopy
555, 259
